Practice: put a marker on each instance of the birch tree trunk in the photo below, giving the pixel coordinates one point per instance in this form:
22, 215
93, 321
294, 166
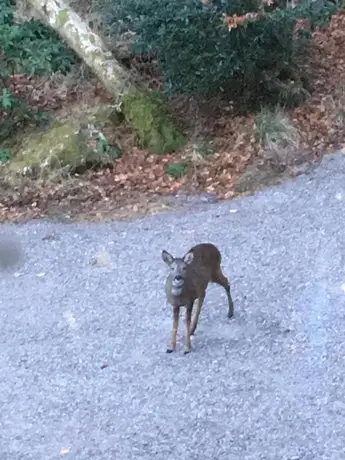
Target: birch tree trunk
151, 121
86, 44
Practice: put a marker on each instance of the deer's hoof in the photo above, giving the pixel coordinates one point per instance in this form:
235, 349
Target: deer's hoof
186, 352
169, 350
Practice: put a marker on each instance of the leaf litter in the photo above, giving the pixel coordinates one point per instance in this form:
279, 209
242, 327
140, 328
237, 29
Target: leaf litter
138, 183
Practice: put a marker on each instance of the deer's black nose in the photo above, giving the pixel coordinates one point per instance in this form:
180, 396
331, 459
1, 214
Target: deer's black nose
178, 277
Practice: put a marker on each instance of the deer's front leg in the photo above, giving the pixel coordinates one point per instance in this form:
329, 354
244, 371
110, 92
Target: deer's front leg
176, 315
189, 309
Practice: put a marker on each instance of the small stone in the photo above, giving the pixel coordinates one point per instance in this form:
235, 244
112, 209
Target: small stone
102, 259
51, 237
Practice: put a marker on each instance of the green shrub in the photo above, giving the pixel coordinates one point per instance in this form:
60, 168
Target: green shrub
31, 47
197, 54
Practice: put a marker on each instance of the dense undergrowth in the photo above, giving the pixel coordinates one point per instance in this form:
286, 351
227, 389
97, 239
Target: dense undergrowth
30, 48
249, 81
252, 51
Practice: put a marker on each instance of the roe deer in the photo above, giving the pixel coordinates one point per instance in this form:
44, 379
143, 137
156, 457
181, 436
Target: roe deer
188, 280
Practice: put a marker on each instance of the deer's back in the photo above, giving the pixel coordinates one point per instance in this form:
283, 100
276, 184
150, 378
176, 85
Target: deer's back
206, 254
205, 264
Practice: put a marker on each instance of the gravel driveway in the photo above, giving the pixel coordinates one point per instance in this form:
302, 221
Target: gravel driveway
85, 375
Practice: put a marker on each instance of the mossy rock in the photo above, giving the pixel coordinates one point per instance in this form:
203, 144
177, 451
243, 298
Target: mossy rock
104, 113
59, 147
99, 114
150, 120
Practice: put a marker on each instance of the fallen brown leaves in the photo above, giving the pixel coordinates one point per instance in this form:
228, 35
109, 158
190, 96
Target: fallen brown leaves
51, 93
138, 181
317, 119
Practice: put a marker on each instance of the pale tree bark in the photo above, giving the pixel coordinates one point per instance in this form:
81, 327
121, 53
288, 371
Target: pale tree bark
156, 132
86, 44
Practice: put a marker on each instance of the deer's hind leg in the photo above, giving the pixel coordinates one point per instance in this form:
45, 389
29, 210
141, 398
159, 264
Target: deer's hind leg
222, 280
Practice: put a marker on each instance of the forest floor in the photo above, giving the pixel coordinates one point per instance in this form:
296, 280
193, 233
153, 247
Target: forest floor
138, 182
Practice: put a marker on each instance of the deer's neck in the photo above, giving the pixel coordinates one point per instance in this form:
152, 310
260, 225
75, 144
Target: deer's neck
179, 297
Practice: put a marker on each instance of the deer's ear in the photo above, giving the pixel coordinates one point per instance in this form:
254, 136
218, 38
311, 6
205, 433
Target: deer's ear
188, 258
167, 258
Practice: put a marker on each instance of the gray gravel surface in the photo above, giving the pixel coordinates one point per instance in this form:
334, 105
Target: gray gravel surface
85, 375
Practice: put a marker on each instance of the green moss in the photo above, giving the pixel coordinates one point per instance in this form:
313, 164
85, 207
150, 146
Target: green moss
154, 128
62, 17
106, 113
92, 39
65, 145
60, 146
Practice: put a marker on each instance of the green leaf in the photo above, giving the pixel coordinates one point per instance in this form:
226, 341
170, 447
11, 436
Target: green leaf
176, 170
5, 155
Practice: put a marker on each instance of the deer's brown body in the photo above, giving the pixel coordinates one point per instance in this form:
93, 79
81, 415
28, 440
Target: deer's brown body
188, 280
